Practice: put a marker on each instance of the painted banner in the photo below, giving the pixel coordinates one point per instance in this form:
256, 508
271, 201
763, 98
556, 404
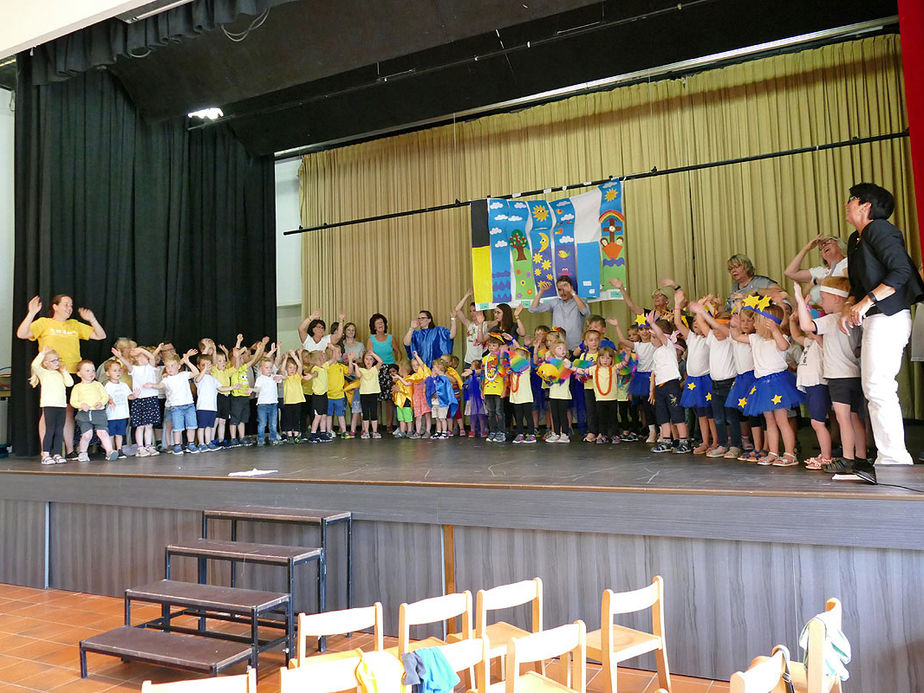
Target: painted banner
519, 247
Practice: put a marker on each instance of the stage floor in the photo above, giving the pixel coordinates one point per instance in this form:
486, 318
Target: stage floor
627, 467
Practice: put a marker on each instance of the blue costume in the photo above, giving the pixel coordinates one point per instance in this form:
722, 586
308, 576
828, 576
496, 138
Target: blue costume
430, 344
440, 386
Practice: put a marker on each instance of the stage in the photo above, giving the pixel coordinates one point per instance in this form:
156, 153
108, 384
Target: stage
748, 553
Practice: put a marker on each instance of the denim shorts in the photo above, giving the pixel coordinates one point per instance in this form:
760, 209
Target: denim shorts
184, 417
336, 407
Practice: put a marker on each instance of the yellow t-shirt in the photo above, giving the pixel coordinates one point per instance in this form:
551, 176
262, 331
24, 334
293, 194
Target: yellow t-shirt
223, 376
604, 382
587, 356
237, 378
369, 381
561, 390
319, 382
92, 394
64, 337
521, 388
495, 381
336, 380
292, 392
52, 383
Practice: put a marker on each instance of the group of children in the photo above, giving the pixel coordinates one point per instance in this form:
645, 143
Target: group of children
733, 376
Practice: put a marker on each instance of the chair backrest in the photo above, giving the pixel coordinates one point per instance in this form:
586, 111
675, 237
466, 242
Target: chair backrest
338, 622
241, 683
650, 597
570, 640
815, 679
434, 610
506, 596
765, 675
321, 675
468, 654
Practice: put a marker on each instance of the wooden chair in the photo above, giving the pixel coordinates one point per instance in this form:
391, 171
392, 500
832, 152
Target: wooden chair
613, 644
432, 610
569, 642
809, 677
324, 675
765, 675
337, 623
500, 634
471, 656
242, 683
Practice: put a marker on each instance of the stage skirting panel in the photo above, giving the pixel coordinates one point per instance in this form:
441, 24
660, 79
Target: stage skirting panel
742, 572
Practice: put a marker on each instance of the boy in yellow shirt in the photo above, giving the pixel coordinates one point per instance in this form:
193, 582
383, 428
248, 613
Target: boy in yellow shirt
89, 398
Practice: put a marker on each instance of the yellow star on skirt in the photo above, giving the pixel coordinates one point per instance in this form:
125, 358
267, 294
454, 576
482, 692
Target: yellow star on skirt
777, 399
741, 402
691, 386
708, 396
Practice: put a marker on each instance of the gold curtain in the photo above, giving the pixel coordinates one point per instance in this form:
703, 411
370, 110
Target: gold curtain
683, 225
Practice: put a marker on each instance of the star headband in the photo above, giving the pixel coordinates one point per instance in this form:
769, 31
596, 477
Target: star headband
641, 320
759, 306
833, 290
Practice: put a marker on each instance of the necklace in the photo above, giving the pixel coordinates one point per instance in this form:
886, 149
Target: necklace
609, 372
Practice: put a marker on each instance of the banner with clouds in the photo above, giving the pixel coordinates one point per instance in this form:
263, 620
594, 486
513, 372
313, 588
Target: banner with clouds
518, 246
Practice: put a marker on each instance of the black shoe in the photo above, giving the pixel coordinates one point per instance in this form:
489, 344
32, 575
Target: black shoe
72, 455
866, 471
839, 466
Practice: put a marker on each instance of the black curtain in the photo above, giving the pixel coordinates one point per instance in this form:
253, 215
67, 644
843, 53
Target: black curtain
165, 234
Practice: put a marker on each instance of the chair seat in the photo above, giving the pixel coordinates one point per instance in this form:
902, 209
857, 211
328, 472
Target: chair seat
531, 682
627, 643
416, 645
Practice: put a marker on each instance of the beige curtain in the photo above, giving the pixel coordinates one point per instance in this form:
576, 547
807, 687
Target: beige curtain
683, 225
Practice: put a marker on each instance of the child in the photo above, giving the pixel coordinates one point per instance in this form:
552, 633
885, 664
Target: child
841, 370
308, 391
441, 398
89, 399
810, 380
222, 373
640, 384
267, 400
144, 411
743, 321
774, 390
474, 399
293, 397
175, 384
628, 419
664, 390
560, 388
521, 395
336, 399
452, 372
319, 424
48, 371
537, 351
241, 362
419, 397
604, 378
402, 396
591, 348
207, 391
369, 390
495, 387
119, 394
697, 388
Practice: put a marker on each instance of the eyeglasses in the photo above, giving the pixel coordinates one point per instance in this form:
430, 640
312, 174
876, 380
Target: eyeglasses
852, 198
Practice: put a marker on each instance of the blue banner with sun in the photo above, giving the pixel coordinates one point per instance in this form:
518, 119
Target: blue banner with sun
520, 247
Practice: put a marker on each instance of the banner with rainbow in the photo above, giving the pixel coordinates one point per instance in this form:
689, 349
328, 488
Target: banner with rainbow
519, 247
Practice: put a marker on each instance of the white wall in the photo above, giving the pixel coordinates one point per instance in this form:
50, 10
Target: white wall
7, 309
288, 253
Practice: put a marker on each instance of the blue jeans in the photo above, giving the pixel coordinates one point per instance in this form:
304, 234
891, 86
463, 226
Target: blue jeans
266, 417
183, 417
726, 419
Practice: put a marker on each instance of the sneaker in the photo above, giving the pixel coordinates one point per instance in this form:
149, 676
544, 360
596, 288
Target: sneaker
326, 438
211, 447
142, 452
683, 447
399, 434
177, 449
247, 442
346, 435
376, 435
563, 438
152, 451
471, 434
122, 454
628, 437
235, 443
600, 440
519, 439
663, 446
192, 448
112, 456
615, 440
72, 455
720, 451
733, 453
48, 459
364, 436
551, 438
529, 439
839, 466
502, 438
83, 457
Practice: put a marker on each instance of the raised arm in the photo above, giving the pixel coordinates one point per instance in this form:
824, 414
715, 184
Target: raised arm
679, 301
410, 332
118, 357
303, 326
152, 359
620, 336
35, 307
98, 332
338, 335
534, 306
460, 306
734, 333
189, 364
633, 306
452, 326
258, 353
521, 331
806, 323
794, 269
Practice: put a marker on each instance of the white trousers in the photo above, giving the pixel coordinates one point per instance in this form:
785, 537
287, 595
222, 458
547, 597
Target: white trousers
884, 340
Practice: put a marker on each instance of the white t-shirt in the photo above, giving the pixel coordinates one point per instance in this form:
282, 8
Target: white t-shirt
267, 392
207, 393
820, 272
839, 348
768, 359
119, 393
744, 358
809, 372
310, 345
473, 351
697, 355
645, 352
177, 389
141, 375
665, 364
721, 357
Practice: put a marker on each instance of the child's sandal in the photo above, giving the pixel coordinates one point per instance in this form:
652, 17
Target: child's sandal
787, 460
768, 459
816, 464
750, 456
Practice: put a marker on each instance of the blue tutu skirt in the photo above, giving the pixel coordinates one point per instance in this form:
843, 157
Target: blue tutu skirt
741, 389
774, 391
695, 390
640, 383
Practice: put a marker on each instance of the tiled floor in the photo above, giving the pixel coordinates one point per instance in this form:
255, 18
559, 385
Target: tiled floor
40, 629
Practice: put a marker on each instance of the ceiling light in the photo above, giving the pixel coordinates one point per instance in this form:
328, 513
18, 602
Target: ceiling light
206, 114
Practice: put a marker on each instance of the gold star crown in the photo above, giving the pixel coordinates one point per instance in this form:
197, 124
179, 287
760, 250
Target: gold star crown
641, 320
